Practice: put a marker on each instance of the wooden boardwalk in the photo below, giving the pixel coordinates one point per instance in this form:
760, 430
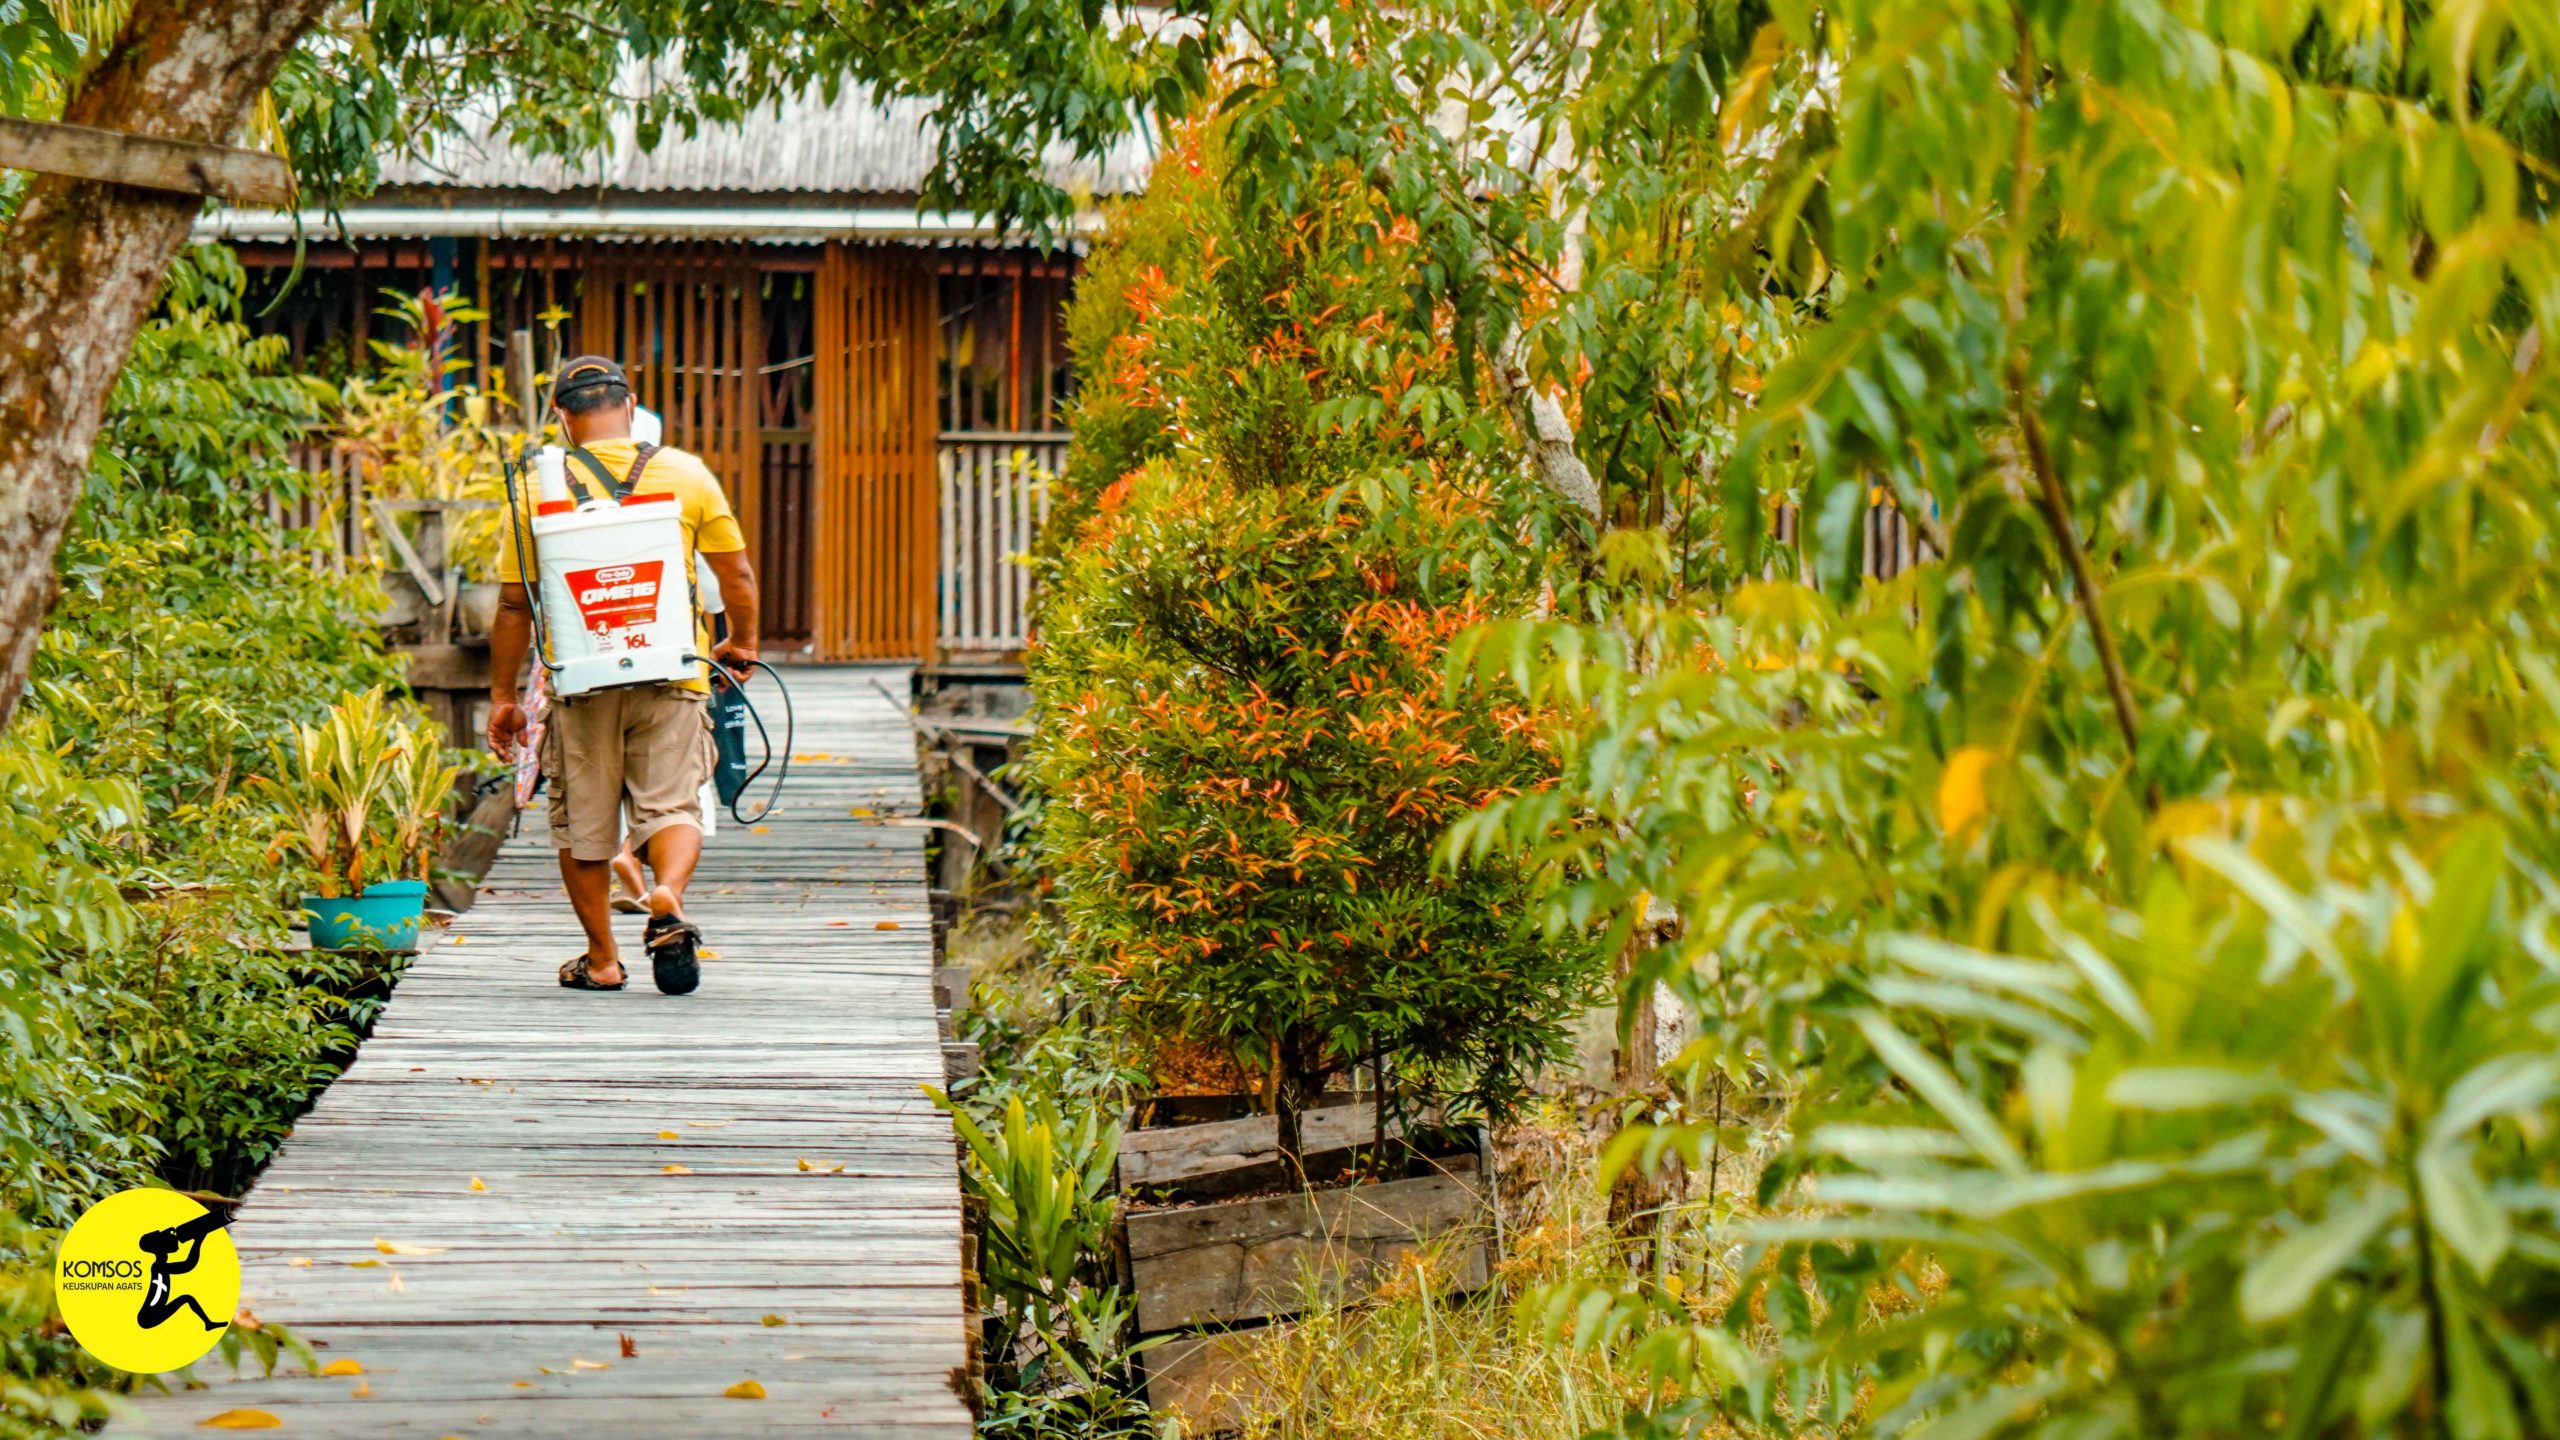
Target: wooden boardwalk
745, 1183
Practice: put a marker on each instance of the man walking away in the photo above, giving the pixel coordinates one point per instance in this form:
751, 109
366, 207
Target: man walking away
641, 753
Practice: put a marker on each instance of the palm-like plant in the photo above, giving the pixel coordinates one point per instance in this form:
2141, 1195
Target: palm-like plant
362, 793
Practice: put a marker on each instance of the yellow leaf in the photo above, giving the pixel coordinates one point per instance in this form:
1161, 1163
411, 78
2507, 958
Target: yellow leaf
886, 925
522, 1385
708, 954
343, 1367
240, 1420
862, 811
395, 1247
837, 1171
476, 1183
805, 1165
669, 1135
676, 1169
362, 1264
589, 1365
1962, 791
760, 829
364, 1389
775, 1320
300, 1262
745, 1390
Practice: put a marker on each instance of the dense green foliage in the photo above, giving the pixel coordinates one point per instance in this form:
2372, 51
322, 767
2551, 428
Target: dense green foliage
2147, 898
1246, 751
153, 1024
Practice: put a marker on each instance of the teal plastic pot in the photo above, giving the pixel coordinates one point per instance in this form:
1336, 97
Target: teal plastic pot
384, 917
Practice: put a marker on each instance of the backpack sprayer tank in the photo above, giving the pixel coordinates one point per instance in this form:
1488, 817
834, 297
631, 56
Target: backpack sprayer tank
616, 605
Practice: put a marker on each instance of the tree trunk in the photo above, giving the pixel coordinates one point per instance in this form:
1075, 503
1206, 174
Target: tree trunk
81, 265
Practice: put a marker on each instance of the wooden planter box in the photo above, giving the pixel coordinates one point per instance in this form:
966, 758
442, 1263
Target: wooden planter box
1254, 1259
1207, 1262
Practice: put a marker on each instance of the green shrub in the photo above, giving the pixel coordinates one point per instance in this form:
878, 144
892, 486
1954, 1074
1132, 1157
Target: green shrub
153, 1024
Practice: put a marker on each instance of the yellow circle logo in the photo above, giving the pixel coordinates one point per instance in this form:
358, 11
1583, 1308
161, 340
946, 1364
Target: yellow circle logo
147, 1280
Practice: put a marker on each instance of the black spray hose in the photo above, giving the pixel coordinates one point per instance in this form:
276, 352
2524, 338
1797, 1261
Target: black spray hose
790, 724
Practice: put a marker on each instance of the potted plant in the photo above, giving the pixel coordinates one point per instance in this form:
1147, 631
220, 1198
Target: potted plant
363, 795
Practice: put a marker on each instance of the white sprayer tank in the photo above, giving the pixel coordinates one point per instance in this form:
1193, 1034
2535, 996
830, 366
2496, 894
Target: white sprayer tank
616, 608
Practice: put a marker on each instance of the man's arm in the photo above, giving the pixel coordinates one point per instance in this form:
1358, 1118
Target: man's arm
510, 637
738, 596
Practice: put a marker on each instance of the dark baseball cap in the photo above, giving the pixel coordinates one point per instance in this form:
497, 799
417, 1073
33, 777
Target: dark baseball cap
586, 373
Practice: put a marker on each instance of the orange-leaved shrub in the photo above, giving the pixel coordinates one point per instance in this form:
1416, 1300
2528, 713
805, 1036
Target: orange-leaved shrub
1249, 747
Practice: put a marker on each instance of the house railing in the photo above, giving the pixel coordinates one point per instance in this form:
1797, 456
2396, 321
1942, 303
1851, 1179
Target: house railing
994, 498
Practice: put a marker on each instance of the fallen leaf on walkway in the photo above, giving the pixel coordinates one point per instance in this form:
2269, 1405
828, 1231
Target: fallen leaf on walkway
362, 1264
629, 1350
240, 1420
395, 1247
669, 1289
837, 1171
761, 829
300, 1262
676, 1170
862, 812
589, 1365
343, 1367
775, 1320
805, 1165
708, 954
363, 1390
545, 1369
745, 1390
886, 925
461, 939
669, 1135
839, 924
477, 1184
522, 1385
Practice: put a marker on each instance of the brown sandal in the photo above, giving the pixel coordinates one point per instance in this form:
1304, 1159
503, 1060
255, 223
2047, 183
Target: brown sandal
574, 976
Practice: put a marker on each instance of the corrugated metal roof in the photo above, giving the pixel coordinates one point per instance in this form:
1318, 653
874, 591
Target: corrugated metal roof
856, 145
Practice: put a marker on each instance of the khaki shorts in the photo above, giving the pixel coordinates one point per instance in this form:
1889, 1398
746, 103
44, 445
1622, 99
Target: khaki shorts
630, 760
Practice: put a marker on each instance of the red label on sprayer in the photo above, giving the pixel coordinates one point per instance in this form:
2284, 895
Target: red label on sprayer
618, 597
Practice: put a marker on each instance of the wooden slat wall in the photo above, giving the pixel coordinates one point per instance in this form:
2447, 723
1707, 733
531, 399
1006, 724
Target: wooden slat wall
873, 563
995, 498
686, 322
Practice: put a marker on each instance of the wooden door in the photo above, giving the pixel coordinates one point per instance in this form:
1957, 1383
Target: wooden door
872, 564
686, 322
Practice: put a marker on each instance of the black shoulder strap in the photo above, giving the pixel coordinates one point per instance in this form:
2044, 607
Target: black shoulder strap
620, 489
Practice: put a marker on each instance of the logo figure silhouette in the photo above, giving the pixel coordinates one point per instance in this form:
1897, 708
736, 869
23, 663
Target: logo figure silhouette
157, 1304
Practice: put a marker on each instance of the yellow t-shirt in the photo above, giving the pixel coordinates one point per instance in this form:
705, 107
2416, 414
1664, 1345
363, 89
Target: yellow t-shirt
710, 526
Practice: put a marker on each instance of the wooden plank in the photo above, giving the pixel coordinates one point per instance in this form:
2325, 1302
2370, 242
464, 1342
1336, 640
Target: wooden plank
85, 152
1250, 1259
673, 1169
1226, 1157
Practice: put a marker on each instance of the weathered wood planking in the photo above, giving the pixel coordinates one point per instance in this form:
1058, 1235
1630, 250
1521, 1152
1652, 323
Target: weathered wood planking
1250, 1259
807, 1043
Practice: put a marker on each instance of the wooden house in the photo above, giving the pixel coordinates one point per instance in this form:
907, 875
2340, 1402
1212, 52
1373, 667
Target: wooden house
881, 390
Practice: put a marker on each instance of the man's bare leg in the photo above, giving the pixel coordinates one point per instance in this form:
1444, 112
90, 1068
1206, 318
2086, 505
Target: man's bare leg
673, 852
590, 886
